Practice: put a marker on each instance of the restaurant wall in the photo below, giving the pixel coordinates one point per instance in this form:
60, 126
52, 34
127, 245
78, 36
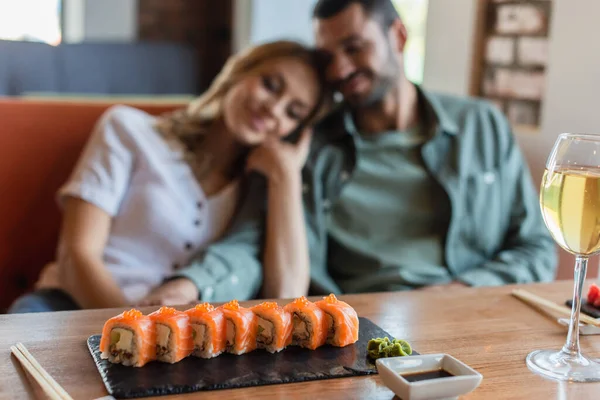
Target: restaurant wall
106, 20
449, 45
258, 21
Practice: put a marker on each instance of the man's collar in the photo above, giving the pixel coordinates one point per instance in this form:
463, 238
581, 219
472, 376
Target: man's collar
429, 103
436, 112
349, 125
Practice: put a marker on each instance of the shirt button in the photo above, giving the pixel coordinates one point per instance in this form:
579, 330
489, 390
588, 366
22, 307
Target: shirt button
199, 204
176, 266
188, 246
197, 222
489, 178
305, 188
344, 176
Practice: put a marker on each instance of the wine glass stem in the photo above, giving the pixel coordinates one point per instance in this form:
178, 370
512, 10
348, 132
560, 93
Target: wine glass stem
572, 345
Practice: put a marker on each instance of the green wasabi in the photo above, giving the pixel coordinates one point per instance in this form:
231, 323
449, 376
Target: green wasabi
384, 347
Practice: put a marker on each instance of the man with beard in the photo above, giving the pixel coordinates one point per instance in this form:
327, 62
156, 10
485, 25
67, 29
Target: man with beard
409, 189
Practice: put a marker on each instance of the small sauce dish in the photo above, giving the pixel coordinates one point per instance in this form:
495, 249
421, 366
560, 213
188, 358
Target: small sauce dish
429, 376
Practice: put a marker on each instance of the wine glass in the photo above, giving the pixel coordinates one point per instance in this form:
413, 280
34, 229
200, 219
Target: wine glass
570, 202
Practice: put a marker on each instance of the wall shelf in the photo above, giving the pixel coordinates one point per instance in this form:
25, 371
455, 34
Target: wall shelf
510, 57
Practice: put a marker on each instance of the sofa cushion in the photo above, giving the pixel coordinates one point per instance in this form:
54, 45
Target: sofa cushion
120, 68
98, 68
28, 66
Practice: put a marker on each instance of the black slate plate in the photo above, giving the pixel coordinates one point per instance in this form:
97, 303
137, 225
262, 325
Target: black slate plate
586, 308
228, 371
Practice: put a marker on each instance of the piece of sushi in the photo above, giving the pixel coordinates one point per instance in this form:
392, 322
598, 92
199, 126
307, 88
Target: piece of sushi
342, 321
173, 334
309, 323
240, 328
208, 330
274, 327
129, 339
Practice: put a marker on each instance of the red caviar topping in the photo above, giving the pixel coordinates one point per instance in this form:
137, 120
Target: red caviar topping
301, 301
204, 307
331, 299
132, 314
232, 305
268, 304
167, 311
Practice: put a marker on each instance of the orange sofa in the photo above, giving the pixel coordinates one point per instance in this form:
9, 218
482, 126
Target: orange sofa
40, 142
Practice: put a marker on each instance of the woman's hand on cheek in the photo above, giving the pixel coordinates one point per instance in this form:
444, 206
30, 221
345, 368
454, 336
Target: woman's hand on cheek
279, 160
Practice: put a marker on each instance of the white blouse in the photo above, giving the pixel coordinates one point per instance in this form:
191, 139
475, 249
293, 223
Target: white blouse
161, 216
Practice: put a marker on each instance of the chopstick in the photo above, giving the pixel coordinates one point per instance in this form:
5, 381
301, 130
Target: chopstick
541, 310
537, 301
52, 389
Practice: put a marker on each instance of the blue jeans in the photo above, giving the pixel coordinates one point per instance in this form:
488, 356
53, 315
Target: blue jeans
43, 300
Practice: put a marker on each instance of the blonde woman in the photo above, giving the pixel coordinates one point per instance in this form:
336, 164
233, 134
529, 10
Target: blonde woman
156, 209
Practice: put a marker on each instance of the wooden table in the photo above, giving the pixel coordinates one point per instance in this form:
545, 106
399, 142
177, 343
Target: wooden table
486, 328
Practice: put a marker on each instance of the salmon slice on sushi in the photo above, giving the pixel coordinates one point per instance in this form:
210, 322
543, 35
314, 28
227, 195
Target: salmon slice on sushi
240, 328
309, 323
208, 330
129, 339
173, 334
341, 321
274, 327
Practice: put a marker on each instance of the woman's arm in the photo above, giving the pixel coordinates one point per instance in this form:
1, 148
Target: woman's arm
84, 233
286, 259
286, 256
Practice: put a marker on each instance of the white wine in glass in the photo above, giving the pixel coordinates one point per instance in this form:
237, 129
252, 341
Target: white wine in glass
570, 202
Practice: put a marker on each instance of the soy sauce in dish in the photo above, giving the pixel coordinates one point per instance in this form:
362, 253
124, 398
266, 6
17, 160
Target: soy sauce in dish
426, 375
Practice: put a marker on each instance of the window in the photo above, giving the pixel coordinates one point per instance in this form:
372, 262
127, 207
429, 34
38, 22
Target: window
414, 16
31, 20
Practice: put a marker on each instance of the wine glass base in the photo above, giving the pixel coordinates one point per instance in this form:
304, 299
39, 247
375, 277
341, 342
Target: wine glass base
563, 366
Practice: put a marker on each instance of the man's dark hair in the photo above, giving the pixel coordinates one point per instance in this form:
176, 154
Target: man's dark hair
381, 10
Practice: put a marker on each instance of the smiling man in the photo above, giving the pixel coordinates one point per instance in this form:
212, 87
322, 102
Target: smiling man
411, 189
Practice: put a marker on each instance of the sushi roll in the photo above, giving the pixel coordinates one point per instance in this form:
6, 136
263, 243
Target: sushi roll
309, 323
240, 328
129, 339
274, 327
173, 334
342, 321
208, 330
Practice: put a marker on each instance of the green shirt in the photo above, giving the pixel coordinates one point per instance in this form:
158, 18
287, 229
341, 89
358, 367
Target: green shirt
495, 234
390, 218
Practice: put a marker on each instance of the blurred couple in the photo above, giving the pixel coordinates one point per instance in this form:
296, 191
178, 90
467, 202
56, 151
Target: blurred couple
265, 187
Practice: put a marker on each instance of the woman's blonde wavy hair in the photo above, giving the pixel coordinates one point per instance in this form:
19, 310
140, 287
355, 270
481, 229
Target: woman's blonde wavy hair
189, 124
